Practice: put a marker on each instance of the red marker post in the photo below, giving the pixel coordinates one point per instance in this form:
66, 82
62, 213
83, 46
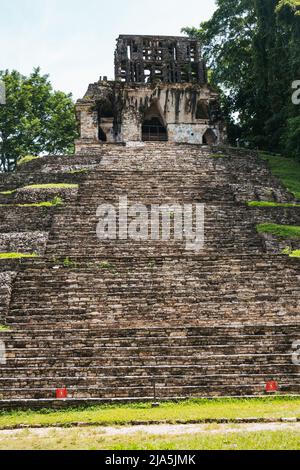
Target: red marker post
61, 393
271, 386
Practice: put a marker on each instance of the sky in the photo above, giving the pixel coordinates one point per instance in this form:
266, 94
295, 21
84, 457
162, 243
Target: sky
73, 41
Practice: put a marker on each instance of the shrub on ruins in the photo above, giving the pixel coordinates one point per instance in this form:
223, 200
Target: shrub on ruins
35, 119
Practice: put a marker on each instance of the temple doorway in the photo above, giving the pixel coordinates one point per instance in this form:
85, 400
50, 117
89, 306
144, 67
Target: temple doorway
209, 138
154, 128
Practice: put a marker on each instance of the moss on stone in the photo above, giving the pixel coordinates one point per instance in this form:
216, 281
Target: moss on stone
281, 231
27, 159
4, 328
78, 172
8, 193
52, 186
57, 201
292, 253
217, 155
271, 204
17, 255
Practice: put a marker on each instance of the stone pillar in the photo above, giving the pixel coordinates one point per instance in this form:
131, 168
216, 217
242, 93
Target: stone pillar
131, 125
87, 117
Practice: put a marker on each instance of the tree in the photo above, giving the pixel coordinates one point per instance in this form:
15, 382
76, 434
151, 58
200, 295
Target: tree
252, 49
35, 119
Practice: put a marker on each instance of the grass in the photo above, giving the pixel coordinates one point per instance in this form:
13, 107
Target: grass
208, 437
78, 172
57, 201
295, 254
42, 186
68, 263
170, 412
271, 204
4, 328
281, 231
98, 439
8, 193
292, 253
27, 159
52, 186
17, 255
105, 265
217, 155
286, 169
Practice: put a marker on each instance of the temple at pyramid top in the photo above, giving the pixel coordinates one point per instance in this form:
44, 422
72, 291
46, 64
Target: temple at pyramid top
170, 59
160, 93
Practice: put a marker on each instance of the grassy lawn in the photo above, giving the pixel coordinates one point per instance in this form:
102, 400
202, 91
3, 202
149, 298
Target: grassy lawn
168, 412
282, 231
98, 439
286, 169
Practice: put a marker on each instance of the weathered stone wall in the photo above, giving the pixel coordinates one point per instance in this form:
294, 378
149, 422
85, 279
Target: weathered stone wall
23, 242
277, 215
175, 105
6, 283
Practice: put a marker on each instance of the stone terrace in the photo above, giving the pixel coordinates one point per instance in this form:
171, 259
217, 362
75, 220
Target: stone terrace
108, 319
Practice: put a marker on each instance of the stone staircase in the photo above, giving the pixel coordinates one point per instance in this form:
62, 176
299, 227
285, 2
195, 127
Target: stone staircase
113, 319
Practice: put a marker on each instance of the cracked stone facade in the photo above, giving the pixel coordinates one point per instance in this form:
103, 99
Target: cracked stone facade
160, 93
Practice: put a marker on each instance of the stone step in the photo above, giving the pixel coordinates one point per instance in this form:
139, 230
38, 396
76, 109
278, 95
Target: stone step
144, 392
66, 321
246, 366
30, 342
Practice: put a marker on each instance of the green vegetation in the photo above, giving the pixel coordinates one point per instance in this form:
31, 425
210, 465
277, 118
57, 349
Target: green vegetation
168, 412
35, 120
4, 328
248, 39
8, 193
286, 169
57, 201
152, 264
78, 172
211, 438
281, 231
17, 255
217, 155
106, 265
292, 253
27, 159
52, 186
271, 204
57, 186
68, 263
295, 254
